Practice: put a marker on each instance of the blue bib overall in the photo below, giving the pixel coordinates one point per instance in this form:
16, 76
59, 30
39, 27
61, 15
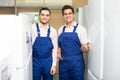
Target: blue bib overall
72, 65
42, 56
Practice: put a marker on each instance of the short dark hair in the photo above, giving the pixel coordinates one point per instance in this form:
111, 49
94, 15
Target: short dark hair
67, 7
44, 8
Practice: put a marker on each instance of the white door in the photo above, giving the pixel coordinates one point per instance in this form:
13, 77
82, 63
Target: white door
23, 51
16, 39
95, 32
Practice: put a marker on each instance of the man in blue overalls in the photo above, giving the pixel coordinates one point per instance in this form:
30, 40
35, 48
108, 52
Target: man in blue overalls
72, 42
44, 39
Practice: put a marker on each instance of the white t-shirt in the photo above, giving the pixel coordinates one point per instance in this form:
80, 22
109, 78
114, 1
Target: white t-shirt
43, 33
81, 31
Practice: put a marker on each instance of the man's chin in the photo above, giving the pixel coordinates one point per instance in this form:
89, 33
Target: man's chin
44, 22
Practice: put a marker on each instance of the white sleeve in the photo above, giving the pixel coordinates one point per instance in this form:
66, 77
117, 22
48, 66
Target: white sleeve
60, 30
82, 34
54, 41
34, 33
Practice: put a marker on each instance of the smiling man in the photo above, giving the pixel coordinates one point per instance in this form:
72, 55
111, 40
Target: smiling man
72, 42
44, 39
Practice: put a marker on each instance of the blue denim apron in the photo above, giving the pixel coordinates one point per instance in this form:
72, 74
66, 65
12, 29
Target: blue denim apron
72, 65
42, 56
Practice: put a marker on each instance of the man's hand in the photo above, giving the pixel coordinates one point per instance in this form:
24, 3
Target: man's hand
59, 54
85, 48
53, 70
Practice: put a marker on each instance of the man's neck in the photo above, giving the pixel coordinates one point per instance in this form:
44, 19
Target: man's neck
69, 24
43, 25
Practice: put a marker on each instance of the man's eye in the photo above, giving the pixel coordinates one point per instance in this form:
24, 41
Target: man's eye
65, 13
47, 15
42, 14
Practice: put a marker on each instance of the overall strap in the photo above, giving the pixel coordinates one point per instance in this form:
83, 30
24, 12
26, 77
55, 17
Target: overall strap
48, 34
38, 30
63, 29
75, 27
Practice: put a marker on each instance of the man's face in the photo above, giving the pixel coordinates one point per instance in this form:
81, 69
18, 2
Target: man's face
68, 15
44, 16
